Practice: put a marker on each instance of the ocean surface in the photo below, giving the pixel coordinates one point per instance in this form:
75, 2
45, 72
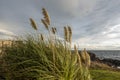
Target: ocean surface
113, 54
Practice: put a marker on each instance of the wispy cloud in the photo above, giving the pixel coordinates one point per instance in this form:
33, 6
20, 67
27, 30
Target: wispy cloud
4, 34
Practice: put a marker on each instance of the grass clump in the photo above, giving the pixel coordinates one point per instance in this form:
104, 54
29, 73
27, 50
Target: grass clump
45, 59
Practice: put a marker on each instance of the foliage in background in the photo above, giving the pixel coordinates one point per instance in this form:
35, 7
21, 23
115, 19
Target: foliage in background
41, 59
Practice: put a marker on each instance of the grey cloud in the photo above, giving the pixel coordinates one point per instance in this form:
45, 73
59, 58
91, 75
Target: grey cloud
89, 19
67, 10
16, 14
4, 34
101, 18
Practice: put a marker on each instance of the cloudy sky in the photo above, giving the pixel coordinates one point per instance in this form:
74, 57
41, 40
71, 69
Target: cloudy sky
95, 23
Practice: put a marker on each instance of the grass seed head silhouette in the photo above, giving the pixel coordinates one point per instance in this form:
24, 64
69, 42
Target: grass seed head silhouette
45, 24
87, 58
70, 34
42, 37
46, 16
33, 24
66, 33
53, 30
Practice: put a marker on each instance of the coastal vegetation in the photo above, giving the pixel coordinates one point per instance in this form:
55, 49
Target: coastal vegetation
44, 58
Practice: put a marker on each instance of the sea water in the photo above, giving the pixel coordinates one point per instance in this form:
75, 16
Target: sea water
113, 54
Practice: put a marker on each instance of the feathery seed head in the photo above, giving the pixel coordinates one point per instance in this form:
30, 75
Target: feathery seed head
83, 57
66, 33
53, 30
45, 24
75, 48
33, 24
70, 30
87, 58
46, 16
78, 56
41, 36
70, 34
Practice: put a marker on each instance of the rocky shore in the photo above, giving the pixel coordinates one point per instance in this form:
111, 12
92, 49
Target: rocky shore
110, 62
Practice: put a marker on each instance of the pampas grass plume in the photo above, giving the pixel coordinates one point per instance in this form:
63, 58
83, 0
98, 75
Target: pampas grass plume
70, 34
41, 36
66, 33
87, 58
33, 24
78, 56
45, 24
46, 16
53, 30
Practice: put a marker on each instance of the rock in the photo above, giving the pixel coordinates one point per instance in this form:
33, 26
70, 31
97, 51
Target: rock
93, 57
111, 62
108, 61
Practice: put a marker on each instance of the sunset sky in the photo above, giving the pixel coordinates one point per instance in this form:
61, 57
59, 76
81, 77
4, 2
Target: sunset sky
95, 23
